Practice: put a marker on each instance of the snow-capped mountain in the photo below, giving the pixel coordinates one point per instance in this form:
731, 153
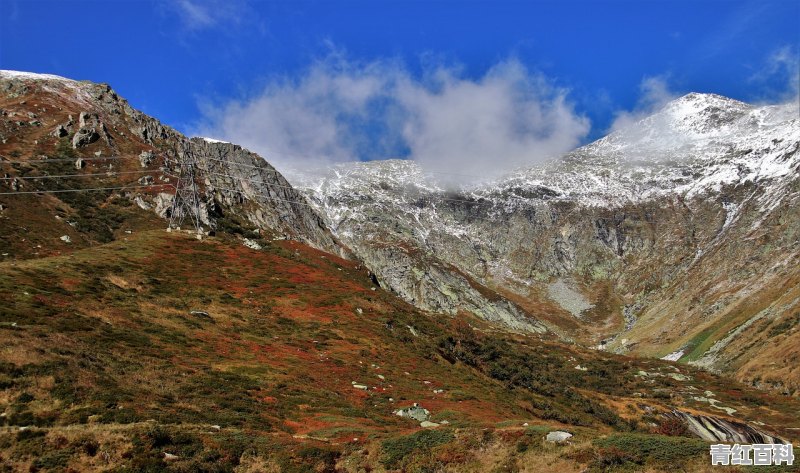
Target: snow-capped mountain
642, 240
693, 146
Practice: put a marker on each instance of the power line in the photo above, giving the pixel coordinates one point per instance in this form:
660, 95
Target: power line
264, 196
246, 165
64, 160
230, 163
109, 173
45, 191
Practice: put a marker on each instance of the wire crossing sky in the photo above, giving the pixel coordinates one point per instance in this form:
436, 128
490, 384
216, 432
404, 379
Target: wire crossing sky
443, 83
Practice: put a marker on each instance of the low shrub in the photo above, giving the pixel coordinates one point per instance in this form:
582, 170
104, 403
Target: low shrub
658, 448
397, 449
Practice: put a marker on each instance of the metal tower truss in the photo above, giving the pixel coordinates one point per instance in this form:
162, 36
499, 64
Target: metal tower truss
187, 200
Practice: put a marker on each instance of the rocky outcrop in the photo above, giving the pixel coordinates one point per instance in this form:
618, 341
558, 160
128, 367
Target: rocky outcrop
241, 182
714, 429
146, 158
84, 137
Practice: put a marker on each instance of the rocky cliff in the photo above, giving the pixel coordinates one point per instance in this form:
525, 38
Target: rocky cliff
49, 120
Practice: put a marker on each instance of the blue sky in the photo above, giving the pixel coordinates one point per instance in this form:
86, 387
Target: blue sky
198, 65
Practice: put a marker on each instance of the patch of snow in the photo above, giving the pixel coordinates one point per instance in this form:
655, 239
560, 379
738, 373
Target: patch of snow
8, 74
674, 356
212, 140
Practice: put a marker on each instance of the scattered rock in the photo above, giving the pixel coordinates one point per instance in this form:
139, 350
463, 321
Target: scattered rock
66, 239
558, 436
141, 203
79, 164
146, 180
428, 425
85, 136
414, 412
252, 244
163, 203
677, 376
88, 119
360, 386
146, 158
170, 457
60, 131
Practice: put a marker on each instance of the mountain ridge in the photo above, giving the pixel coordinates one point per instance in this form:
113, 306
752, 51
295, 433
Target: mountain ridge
595, 216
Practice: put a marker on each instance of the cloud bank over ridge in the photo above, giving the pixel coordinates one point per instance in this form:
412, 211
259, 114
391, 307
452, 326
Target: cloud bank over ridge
339, 110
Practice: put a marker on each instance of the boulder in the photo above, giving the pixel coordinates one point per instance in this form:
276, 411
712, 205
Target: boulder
142, 203
85, 136
252, 244
558, 436
415, 412
86, 120
145, 158
163, 202
428, 424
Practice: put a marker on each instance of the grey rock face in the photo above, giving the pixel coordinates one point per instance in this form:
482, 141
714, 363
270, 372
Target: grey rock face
60, 131
243, 183
146, 158
84, 137
163, 203
86, 120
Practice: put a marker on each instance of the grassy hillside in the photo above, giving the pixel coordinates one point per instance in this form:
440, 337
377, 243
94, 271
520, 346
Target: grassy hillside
158, 351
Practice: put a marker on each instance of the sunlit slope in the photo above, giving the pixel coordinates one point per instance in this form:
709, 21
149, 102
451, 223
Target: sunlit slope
117, 355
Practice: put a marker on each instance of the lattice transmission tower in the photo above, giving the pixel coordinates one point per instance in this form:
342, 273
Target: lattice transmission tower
187, 200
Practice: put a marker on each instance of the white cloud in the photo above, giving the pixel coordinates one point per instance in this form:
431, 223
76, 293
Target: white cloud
194, 15
654, 94
782, 67
342, 111
222, 15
